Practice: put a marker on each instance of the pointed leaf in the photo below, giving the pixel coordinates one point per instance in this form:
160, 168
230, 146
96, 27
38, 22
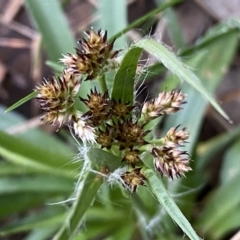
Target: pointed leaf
123, 87
168, 203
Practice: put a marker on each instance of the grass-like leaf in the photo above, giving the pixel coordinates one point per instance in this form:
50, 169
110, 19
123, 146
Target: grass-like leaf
26, 154
52, 24
51, 216
21, 101
168, 203
36, 183
225, 199
123, 86
207, 150
85, 195
111, 23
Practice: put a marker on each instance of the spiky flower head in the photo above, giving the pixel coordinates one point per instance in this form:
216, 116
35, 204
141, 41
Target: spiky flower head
56, 98
176, 136
171, 162
106, 138
133, 179
131, 157
82, 128
80, 64
96, 44
131, 134
165, 103
95, 56
120, 109
98, 105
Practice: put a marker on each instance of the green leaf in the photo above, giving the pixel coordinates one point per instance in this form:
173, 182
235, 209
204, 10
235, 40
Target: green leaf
177, 67
21, 101
210, 64
41, 233
35, 183
227, 224
222, 202
123, 87
168, 203
13, 121
231, 163
51, 216
112, 23
173, 26
52, 24
26, 154
25, 201
207, 150
90, 184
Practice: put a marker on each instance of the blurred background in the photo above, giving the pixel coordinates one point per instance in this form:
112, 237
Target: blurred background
203, 33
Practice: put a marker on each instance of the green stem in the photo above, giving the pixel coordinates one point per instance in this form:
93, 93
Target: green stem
103, 84
159, 141
158, 188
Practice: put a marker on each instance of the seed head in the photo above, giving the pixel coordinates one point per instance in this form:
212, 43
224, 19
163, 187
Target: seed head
133, 179
176, 137
95, 56
96, 44
80, 64
120, 109
165, 103
56, 98
171, 162
98, 105
130, 134
132, 158
105, 138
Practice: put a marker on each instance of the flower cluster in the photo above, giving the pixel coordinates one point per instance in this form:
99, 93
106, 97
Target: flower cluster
94, 58
112, 124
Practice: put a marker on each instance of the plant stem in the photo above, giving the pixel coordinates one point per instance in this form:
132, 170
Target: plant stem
102, 82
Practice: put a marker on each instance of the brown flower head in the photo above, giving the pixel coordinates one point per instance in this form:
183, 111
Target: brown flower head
105, 138
80, 64
133, 179
165, 103
176, 137
171, 162
130, 134
120, 109
56, 97
132, 158
98, 105
96, 45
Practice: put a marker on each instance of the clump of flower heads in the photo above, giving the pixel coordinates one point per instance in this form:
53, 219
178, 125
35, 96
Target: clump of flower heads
110, 123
